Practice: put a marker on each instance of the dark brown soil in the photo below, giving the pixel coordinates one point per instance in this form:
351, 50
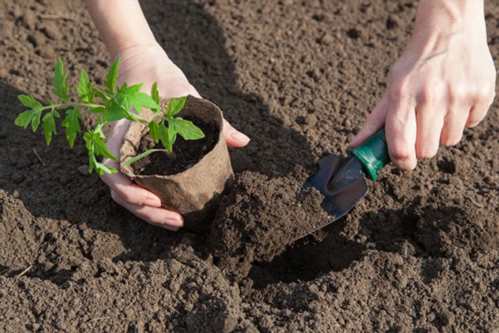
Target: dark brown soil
260, 217
186, 153
419, 254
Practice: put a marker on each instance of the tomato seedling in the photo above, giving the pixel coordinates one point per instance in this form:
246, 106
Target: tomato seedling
109, 103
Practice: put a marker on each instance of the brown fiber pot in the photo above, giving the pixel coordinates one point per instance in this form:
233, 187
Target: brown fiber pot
194, 192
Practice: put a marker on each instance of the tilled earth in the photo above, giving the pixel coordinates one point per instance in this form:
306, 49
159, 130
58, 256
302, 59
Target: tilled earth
419, 254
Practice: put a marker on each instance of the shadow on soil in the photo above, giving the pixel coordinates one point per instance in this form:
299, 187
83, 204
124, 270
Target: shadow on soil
420, 232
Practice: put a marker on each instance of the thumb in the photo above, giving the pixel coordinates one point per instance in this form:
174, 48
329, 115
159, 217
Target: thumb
233, 137
374, 121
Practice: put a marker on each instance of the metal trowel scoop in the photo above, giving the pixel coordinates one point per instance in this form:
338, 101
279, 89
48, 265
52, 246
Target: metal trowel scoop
342, 179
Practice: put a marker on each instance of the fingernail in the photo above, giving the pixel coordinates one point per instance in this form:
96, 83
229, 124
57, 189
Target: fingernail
240, 137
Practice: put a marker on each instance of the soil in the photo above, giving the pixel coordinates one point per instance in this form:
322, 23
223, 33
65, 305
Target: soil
186, 153
419, 254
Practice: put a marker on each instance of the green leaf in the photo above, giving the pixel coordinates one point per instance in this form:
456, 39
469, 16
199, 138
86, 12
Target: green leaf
172, 135
134, 159
187, 129
175, 105
155, 95
154, 131
61, 88
84, 88
49, 126
114, 111
94, 142
24, 119
165, 138
29, 102
112, 76
100, 145
35, 122
103, 169
130, 90
72, 125
141, 100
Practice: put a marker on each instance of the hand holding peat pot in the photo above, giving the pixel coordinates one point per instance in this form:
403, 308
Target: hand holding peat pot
175, 148
146, 64
143, 60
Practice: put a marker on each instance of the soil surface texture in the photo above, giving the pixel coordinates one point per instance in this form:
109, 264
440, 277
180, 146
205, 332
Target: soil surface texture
419, 254
186, 153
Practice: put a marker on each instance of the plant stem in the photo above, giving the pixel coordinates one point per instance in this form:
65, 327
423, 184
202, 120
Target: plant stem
68, 105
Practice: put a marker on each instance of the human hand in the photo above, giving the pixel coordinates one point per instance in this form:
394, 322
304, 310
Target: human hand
443, 82
148, 64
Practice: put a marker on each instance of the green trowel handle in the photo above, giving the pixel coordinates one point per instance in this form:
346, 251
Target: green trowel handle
373, 154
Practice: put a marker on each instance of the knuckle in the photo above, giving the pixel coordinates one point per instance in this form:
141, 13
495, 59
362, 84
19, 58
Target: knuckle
460, 92
400, 153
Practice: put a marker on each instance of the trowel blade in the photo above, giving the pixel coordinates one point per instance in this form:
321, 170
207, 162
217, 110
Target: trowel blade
343, 184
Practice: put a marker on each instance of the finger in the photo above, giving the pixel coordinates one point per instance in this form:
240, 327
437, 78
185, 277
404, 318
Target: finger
479, 110
233, 137
157, 216
400, 127
373, 123
454, 124
130, 192
430, 121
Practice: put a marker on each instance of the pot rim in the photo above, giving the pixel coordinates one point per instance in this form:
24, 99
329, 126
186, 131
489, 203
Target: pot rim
145, 130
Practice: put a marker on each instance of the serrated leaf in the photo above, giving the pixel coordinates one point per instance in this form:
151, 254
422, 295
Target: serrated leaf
35, 122
155, 95
112, 76
154, 131
175, 105
84, 88
29, 102
115, 111
100, 146
49, 126
61, 88
130, 90
187, 129
129, 161
24, 119
141, 100
94, 142
72, 125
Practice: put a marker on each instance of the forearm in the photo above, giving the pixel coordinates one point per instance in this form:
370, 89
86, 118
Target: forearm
121, 24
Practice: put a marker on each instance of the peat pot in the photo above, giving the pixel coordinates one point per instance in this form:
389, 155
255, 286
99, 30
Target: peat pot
195, 191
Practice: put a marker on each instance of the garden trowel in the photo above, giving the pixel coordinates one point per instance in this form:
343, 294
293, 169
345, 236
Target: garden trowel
342, 179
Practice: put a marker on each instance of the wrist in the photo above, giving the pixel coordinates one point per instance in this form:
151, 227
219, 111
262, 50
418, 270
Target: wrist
450, 16
121, 24
440, 22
